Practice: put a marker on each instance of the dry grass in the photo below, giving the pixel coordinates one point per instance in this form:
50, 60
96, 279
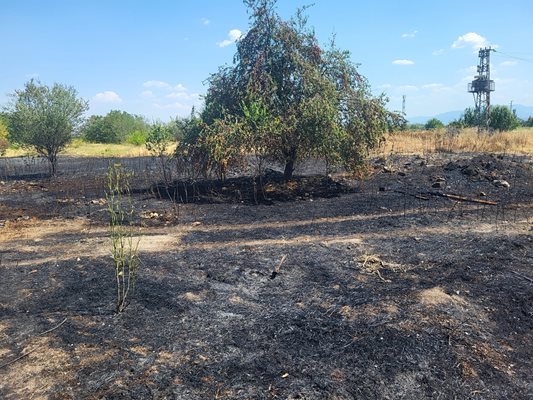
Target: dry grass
519, 141
80, 148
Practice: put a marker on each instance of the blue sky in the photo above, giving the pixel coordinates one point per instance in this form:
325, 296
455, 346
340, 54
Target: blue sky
152, 57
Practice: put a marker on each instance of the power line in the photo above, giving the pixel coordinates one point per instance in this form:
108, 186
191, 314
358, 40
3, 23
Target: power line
498, 52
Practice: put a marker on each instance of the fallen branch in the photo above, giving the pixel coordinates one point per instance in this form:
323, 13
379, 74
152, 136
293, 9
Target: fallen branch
522, 276
37, 347
462, 198
448, 196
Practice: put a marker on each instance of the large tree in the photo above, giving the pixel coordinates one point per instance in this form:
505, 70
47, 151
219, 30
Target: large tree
115, 127
501, 118
321, 105
45, 118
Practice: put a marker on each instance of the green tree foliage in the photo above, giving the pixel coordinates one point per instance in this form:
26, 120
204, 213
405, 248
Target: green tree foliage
321, 105
433, 123
529, 122
4, 137
157, 143
469, 118
115, 127
456, 124
45, 118
414, 127
503, 119
191, 153
259, 132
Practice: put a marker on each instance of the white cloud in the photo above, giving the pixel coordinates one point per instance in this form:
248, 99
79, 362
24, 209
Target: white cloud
183, 95
156, 84
166, 98
508, 63
107, 97
205, 21
438, 52
147, 94
403, 62
471, 39
233, 36
409, 35
385, 86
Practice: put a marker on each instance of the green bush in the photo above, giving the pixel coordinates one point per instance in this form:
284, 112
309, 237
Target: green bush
503, 119
137, 138
115, 127
434, 123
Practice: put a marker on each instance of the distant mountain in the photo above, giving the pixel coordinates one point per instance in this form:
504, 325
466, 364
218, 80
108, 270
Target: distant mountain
444, 117
523, 112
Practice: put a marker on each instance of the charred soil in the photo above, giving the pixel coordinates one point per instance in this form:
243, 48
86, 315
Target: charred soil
390, 289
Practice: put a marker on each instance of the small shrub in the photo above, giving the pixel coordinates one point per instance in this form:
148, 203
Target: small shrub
137, 138
158, 143
434, 123
122, 231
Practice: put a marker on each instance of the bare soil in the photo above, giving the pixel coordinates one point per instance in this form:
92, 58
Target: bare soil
389, 290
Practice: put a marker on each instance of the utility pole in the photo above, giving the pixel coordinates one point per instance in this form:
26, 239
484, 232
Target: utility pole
403, 104
511, 106
481, 87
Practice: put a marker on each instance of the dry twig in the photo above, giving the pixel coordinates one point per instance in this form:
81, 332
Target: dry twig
37, 347
522, 276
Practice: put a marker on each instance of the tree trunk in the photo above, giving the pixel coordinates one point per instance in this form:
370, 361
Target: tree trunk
289, 169
52, 158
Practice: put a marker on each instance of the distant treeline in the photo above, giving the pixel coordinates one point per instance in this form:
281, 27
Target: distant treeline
501, 119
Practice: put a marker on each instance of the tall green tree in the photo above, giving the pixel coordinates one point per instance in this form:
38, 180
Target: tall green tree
45, 118
322, 106
503, 119
469, 118
115, 127
433, 123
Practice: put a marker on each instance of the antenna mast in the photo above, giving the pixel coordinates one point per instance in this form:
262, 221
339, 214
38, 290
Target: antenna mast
481, 87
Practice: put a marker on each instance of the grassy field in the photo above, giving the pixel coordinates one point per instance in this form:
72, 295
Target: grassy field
519, 141
81, 148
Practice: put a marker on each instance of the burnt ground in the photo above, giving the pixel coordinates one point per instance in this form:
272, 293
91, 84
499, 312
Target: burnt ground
388, 290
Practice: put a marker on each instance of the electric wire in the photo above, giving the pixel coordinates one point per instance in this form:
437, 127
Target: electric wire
498, 52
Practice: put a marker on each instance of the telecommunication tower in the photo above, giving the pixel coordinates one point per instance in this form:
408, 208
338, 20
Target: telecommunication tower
481, 87
403, 104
